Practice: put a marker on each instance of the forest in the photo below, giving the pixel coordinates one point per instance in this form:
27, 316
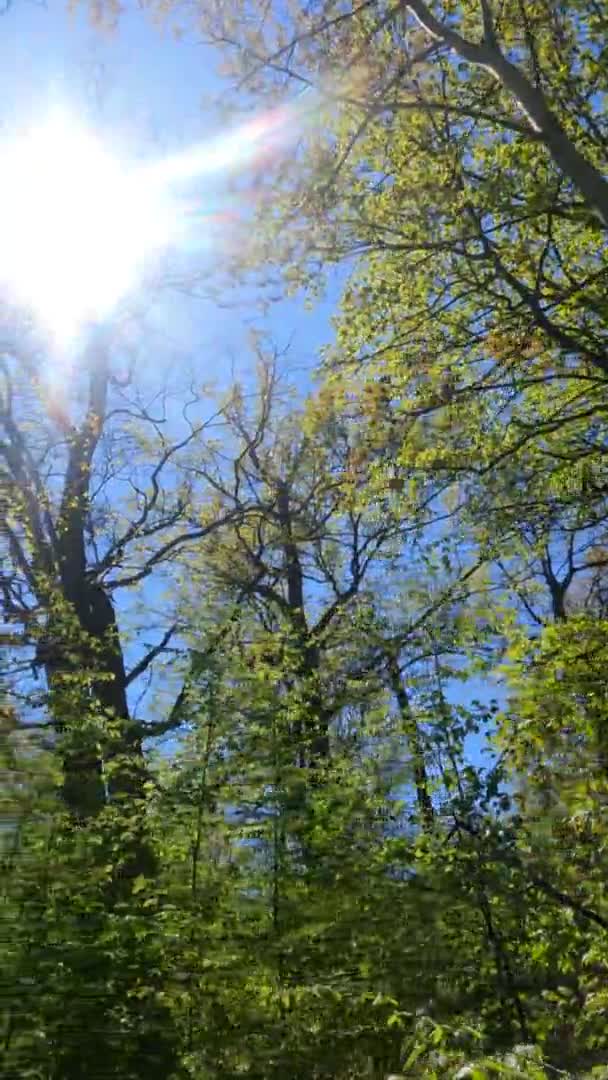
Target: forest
304, 670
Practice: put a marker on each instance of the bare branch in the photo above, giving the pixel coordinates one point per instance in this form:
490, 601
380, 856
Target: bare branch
145, 662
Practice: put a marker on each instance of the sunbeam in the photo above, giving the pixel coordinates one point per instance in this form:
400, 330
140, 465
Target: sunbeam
75, 225
78, 226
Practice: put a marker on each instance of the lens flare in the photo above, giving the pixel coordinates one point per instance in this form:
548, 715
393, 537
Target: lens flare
77, 227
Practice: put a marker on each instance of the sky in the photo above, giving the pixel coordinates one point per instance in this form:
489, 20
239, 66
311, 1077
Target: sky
145, 92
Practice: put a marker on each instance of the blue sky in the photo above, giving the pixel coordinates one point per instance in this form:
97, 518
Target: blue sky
146, 92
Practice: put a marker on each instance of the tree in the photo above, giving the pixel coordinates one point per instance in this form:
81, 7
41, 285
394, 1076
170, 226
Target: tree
302, 556
479, 264
97, 502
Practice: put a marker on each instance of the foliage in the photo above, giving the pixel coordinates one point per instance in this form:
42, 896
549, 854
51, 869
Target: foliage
319, 877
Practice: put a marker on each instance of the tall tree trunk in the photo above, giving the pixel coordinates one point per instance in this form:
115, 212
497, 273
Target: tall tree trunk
423, 798
313, 733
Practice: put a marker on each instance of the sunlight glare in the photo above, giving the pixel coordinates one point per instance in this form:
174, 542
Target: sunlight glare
74, 226
77, 227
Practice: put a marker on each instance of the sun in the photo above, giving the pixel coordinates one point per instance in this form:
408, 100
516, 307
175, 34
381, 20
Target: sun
76, 226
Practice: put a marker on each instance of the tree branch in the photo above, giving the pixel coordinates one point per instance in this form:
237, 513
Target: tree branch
487, 54
145, 662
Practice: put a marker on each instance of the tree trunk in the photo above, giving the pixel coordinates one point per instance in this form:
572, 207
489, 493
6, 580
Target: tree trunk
423, 798
313, 733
